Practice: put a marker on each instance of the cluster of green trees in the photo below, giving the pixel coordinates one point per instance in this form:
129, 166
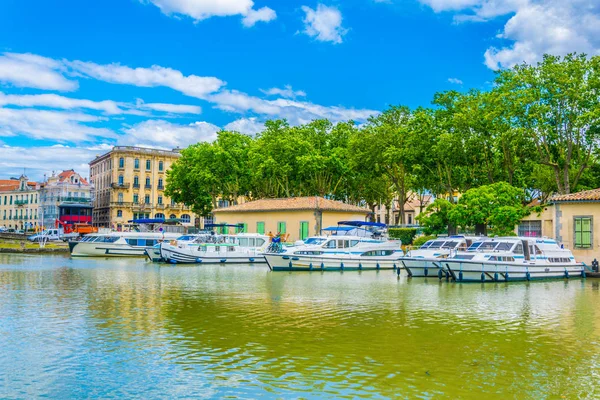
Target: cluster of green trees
536, 130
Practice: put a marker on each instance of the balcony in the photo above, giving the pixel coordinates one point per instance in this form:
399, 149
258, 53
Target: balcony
119, 185
21, 202
121, 203
75, 199
161, 187
136, 185
147, 186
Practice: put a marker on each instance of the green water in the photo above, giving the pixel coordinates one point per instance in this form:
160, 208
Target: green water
99, 328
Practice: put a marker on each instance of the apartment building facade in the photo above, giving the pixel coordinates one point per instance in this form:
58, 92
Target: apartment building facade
129, 184
19, 203
65, 197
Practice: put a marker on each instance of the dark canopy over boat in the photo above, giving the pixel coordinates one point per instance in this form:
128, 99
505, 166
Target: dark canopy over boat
362, 223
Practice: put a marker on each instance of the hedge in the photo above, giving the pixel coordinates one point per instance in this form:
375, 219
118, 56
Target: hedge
406, 235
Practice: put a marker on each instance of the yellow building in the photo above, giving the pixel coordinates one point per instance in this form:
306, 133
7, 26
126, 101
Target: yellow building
129, 183
299, 217
572, 220
19, 203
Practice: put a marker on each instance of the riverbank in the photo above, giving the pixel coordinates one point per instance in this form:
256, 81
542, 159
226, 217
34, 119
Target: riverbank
24, 246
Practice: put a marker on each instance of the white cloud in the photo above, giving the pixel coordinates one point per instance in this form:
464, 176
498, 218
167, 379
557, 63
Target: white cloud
286, 92
249, 126
40, 160
203, 9
169, 108
51, 125
32, 71
536, 27
164, 134
456, 81
191, 85
324, 23
264, 14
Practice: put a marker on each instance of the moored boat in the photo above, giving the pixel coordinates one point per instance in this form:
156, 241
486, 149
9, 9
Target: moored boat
513, 259
118, 244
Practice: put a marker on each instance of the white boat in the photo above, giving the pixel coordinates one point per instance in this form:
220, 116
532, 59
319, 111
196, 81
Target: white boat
337, 253
243, 248
118, 244
425, 261
512, 259
153, 253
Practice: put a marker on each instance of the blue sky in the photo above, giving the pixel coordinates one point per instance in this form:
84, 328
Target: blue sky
77, 77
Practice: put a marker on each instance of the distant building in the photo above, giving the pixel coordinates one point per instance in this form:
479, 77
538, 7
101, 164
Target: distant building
572, 219
300, 217
415, 204
19, 203
66, 197
129, 184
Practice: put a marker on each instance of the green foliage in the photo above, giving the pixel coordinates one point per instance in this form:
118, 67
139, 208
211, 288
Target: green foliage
435, 219
500, 206
406, 235
420, 241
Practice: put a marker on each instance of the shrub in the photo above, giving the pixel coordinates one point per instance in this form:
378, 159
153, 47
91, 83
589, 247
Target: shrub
420, 241
406, 235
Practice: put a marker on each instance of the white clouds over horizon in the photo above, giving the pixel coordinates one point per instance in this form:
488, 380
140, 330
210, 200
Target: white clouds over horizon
324, 23
32, 71
202, 9
535, 27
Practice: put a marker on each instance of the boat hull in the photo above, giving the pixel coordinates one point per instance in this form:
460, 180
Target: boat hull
174, 255
422, 268
288, 262
153, 254
91, 249
476, 271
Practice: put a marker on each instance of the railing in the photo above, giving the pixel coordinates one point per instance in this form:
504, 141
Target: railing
21, 202
121, 203
146, 150
147, 186
119, 185
136, 185
161, 187
75, 199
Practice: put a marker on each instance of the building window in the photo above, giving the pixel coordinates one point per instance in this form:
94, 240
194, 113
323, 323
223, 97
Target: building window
281, 227
136, 163
121, 180
10, 199
120, 197
583, 232
172, 216
530, 228
119, 213
121, 162
159, 216
147, 199
160, 183
136, 181
136, 198
160, 199
5, 199
148, 185
185, 218
260, 228
148, 164
161, 166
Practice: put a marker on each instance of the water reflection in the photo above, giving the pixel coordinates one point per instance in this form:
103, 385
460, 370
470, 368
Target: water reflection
119, 328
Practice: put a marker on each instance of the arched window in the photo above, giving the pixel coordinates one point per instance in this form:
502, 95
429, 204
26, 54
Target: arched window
121, 162
119, 213
185, 218
172, 216
148, 182
136, 181
159, 216
120, 179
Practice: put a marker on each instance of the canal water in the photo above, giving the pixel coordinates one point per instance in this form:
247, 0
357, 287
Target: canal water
125, 328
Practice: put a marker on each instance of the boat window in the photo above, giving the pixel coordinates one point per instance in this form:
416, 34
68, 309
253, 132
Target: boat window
330, 244
260, 242
487, 246
309, 253
449, 245
559, 260
463, 257
353, 243
474, 246
502, 258
518, 249
185, 237
537, 250
132, 242
504, 246
531, 250
109, 239
373, 253
314, 241
427, 244
437, 244
244, 242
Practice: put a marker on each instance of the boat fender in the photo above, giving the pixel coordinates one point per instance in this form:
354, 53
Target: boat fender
310, 267
342, 266
378, 265
447, 275
173, 261
495, 276
426, 271
394, 266
440, 274
566, 274
199, 260
583, 273
460, 276
290, 265
295, 258
322, 265
528, 276
223, 260
359, 266
506, 276
482, 277
285, 257
251, 259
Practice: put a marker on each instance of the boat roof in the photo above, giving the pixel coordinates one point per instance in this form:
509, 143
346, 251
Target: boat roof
362, 223
223, 226
338, 228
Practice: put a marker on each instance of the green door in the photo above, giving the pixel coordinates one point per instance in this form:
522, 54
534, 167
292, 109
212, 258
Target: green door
281, 227
260, 228
303, 230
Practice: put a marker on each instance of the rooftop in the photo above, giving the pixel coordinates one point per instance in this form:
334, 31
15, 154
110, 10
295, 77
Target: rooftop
294, 204
586, 195
140, 150
7, 185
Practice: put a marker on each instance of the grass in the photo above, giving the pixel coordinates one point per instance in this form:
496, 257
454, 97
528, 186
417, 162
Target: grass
17, 244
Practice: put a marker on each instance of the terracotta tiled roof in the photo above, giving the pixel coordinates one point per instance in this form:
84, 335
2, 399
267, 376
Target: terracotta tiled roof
12, 184
67, 174
294, 203
586, 195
